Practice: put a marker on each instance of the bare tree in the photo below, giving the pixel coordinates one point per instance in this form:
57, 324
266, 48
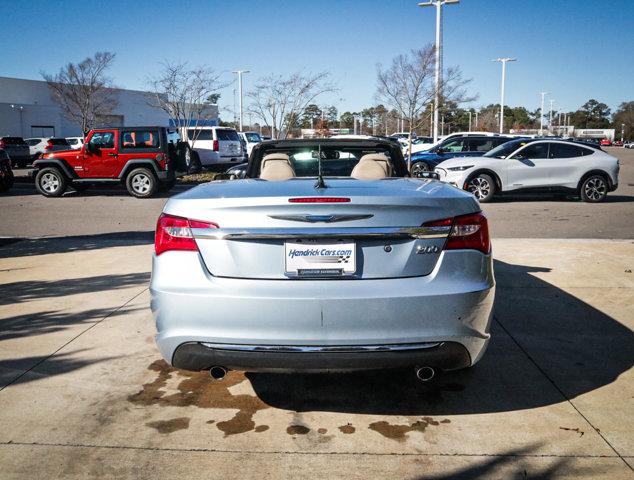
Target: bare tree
185, 94
276, 99
408, 86
83, 91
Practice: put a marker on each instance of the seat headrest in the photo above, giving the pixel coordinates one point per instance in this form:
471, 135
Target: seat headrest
276, 166
371, 167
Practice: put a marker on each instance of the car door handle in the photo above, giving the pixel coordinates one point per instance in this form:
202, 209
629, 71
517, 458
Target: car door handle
113, 154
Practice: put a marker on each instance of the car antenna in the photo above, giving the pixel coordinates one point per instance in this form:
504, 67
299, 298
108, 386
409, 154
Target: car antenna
320, 178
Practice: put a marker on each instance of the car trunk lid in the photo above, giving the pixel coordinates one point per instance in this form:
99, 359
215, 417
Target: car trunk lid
263, 228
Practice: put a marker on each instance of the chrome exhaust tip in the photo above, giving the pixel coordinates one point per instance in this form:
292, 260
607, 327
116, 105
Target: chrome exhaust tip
217, 372
425, 374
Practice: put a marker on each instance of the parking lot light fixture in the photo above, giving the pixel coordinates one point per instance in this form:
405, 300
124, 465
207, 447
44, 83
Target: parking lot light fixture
240, 72
438, 73
503, 61
541, 114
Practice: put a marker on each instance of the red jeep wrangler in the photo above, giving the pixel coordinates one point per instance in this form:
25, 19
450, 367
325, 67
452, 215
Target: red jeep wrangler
142, 158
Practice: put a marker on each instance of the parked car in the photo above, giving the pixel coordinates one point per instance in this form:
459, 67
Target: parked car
617, 143
539, 165
454, 146
141, 158
237, 171
38, 146
265, 138
419, 144
251, 139
6, 174
75, 142
333, 260
17, 149
215, 145
628, 145
605, 142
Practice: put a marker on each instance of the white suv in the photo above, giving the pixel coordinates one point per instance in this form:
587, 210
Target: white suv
542, 165
215, 145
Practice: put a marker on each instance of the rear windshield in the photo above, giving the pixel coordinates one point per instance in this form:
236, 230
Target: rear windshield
334, 163
227, 134
202, 134
253, 137
13, 141
58, 141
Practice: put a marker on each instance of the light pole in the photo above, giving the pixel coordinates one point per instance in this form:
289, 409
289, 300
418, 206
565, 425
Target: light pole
240, 72
21, 110
469, 120
550, 115
541, 114
623, 133
503, 62
476, 125
438, 74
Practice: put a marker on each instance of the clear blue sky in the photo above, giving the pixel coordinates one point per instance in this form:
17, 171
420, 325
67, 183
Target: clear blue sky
575, 49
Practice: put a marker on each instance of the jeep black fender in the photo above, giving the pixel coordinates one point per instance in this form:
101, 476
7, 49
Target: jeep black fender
56, 162
138, 163
486, 171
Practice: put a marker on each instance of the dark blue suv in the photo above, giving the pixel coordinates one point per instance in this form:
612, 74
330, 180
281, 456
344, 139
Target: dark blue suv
457, 146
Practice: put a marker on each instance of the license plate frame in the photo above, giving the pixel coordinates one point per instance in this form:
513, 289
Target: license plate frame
320, 259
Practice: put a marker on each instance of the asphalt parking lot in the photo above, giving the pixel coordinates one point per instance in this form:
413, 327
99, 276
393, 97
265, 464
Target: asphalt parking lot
84, 393
106, 210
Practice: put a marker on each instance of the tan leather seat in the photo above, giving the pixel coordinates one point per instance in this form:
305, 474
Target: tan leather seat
372, 166
276, 167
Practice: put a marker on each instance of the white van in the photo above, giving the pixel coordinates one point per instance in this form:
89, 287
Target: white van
215, 145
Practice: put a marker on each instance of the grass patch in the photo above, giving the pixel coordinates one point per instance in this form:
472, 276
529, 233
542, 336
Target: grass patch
199, 177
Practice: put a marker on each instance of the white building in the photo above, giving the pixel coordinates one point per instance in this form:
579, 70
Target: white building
27, 110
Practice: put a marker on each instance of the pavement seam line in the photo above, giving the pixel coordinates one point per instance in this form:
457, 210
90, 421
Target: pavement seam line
561, 392
72, 340
289, 452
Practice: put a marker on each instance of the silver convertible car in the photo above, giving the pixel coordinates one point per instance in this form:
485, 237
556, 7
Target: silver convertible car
326, 256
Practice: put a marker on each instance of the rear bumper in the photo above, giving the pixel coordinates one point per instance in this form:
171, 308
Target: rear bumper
201, 356
452, 305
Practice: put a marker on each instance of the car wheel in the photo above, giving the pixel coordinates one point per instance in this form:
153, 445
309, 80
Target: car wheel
594, 189
50, 182
195, 166
482, 187
418, 168
7, 181
141, 183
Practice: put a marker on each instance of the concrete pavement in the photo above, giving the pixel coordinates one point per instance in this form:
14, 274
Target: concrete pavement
85, 394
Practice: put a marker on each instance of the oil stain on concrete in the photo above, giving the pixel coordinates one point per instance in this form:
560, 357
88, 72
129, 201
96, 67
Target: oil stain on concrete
169, 426
399, 432
347, 429
196, 389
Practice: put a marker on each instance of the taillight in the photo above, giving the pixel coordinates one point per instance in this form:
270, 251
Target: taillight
319, 200
174, 233
1, 143
214, 145
467, 232
49, 146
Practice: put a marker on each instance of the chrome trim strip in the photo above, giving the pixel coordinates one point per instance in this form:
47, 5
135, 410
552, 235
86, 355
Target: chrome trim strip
399, 347
317, 232
322, 218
